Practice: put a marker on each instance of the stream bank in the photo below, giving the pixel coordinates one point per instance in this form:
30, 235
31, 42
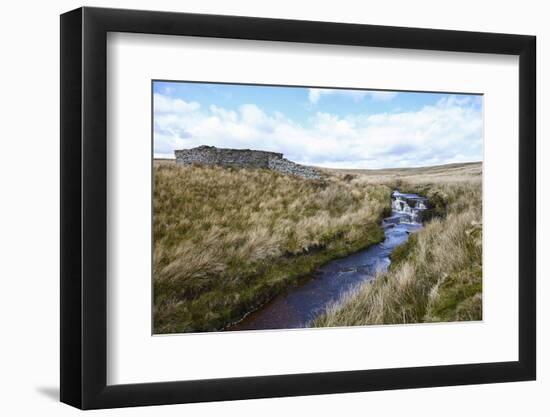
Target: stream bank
300, 304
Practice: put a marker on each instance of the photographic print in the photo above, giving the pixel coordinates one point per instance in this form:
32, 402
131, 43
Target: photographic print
285, 207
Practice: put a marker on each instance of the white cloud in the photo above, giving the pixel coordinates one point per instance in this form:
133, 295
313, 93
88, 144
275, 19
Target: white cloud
165, 104
450, 131
315, 94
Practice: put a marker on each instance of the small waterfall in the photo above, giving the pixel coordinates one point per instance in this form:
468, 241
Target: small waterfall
407, 208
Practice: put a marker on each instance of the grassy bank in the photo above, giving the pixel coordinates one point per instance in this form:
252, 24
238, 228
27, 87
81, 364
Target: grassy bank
226, 241
437, 275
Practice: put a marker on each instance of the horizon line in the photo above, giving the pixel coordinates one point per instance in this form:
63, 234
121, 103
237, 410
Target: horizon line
366, 169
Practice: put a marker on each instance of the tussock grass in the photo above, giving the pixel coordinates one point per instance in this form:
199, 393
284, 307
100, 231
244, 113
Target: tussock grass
228, 240
437, 275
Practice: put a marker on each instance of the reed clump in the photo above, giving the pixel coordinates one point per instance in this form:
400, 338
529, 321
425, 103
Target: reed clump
437, 275
228, 240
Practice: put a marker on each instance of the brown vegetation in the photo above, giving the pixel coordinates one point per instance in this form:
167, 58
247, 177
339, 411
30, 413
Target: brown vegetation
228, 240
437, 275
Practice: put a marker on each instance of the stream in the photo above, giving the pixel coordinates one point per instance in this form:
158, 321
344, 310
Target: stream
300, 304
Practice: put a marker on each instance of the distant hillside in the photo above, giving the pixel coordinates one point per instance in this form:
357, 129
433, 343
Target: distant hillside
446, 169
465, 168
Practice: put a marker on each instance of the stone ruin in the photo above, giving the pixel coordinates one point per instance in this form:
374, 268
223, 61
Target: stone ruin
243, 158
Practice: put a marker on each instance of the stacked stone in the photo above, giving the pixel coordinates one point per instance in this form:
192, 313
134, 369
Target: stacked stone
243, 158
285, 166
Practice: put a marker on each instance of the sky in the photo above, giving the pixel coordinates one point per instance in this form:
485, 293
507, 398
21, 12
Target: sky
327, 127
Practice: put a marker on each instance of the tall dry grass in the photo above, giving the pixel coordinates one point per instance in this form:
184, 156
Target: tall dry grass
227, 240
437, 275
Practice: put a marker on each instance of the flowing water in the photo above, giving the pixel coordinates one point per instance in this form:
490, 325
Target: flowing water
300, 304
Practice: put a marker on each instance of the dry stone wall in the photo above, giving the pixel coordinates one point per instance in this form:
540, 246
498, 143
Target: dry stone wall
244, 158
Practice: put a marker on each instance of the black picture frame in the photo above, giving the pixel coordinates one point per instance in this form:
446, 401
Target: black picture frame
84, 207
